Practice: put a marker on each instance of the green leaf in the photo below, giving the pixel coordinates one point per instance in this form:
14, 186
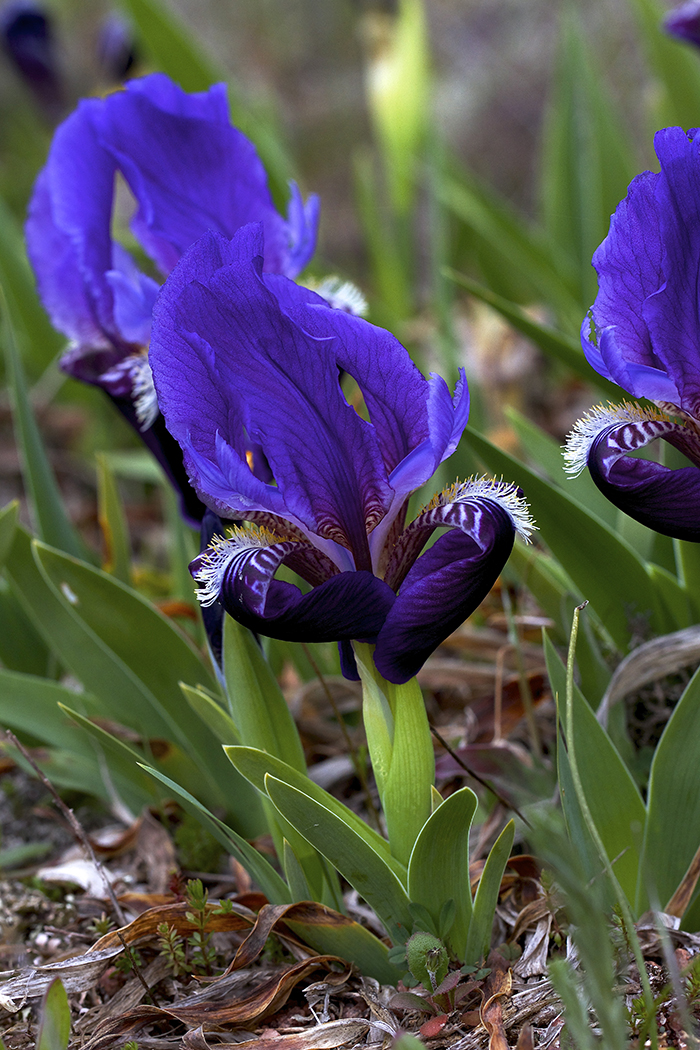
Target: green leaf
54, 1027
527, 252
546, 453
18, 856
674, 64
39, 341
389, 267
212, 714
29, 704
486, 898
673, 815
438, 870
8, 524
587, 156
254, 863
174, 48
561, 347
129, 656
676, 598
687, 556
333, 934
255, 765
258, 707
294, 874
48, 511
110, 512
605, 569
604, 776
347, 851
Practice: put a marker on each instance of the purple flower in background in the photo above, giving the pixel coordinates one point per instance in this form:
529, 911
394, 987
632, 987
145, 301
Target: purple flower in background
683, 22
28, 38
643, 333
247, 365
188, 171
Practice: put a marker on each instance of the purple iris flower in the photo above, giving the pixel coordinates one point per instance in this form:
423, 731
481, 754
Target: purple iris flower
683, 22
246, 365
188, 171
643, 333
27, 33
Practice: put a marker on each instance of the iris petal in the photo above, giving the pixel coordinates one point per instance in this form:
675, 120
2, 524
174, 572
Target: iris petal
662, 499
672, 313
246, 363
68, 239
439, 590
188, 168
240, 574
442, 588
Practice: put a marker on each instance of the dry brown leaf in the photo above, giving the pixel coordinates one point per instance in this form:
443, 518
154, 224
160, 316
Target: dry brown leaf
324, 1036
155, 848
681, 898
145, 926
214, 1005
533, 961
498, 984
78, 975
525, 1039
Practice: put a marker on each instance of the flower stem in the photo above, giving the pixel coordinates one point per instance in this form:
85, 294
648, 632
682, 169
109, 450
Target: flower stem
401, 751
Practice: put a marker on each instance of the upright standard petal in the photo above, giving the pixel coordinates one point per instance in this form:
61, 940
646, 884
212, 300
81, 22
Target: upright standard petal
259, 376
68, 233
189, 171
643, 331
673, 312
188, 168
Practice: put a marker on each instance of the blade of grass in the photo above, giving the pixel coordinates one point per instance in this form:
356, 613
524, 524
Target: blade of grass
48, 511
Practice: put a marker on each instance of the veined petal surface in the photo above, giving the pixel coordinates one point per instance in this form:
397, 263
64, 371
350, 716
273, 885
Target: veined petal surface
221, 337
662, 499
239, 572
673, 312
643, 331
444, 585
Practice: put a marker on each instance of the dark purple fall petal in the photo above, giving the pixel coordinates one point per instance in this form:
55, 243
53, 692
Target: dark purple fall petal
442, 588
665, 500
350, 605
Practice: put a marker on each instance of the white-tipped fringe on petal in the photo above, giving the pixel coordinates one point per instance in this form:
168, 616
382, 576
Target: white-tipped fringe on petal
143, 391
342, 295
586, 430
226, 552
506, 494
